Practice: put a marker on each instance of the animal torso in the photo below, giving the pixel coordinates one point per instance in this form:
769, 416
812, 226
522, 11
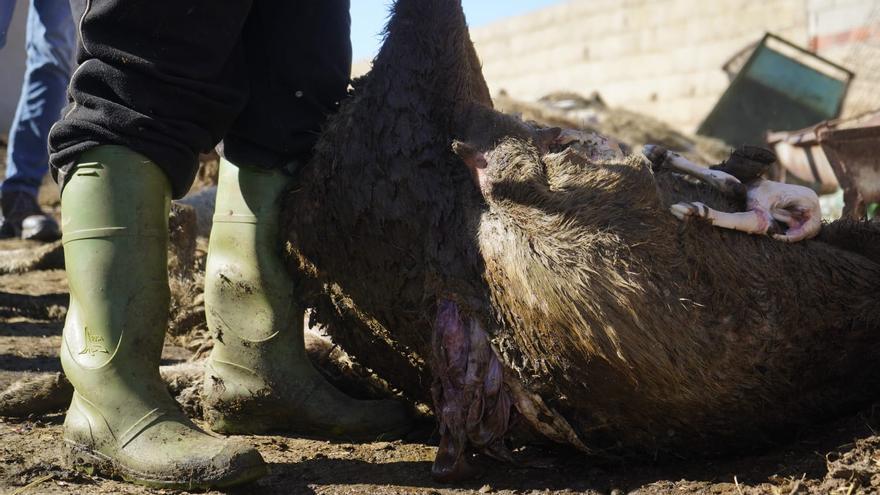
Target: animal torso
642, 332
671, 335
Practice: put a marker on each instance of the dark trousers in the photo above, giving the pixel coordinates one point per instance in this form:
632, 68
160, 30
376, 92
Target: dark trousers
171, 78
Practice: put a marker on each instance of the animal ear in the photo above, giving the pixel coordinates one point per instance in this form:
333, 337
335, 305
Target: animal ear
544, 138
472, 157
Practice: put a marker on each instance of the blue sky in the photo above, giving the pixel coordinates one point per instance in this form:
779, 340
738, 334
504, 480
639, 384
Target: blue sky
368, 18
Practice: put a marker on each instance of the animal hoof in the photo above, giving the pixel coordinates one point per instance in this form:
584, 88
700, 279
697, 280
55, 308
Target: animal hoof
685, 211
755, 154
656, 154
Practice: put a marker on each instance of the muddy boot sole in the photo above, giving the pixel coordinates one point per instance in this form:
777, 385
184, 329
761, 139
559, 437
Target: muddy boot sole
88, 461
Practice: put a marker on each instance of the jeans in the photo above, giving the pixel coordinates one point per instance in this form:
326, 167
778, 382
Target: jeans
51, 38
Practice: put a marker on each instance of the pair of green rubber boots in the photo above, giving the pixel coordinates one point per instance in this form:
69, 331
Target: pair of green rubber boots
122, 421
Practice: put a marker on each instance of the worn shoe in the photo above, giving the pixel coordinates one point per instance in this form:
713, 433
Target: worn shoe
22, 217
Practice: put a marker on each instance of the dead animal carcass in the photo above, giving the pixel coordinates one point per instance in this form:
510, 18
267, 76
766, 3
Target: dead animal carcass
473, 260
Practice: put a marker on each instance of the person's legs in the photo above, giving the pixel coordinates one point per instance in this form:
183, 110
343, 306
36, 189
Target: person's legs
122, 420
155, 85
7, 9
162, 77
50, 42
258, 377
51, 37
299, 65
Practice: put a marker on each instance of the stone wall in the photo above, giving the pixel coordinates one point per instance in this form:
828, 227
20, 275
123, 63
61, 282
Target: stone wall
660, 57
848, 32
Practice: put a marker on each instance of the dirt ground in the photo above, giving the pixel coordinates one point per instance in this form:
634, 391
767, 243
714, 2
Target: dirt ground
841, 457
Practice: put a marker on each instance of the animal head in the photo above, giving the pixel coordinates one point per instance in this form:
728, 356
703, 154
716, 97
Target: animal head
482, 146
507, 157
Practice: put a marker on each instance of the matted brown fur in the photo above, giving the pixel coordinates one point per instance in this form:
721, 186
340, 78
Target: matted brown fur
648, 333
385, 192
644, 333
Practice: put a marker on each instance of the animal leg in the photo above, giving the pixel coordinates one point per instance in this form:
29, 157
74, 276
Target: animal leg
796, 207
751, 222
722, 181
803, 223
49, 393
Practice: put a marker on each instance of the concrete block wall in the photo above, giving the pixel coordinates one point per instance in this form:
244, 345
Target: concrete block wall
848, 31
828, 18
660, 57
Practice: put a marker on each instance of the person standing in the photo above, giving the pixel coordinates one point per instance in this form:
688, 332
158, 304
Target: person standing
158, 82
50, 42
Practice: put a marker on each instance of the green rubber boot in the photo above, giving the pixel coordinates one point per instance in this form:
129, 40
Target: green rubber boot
258, 377
122, 421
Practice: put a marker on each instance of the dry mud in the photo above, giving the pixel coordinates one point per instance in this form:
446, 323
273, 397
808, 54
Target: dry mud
841, 457
30, 459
